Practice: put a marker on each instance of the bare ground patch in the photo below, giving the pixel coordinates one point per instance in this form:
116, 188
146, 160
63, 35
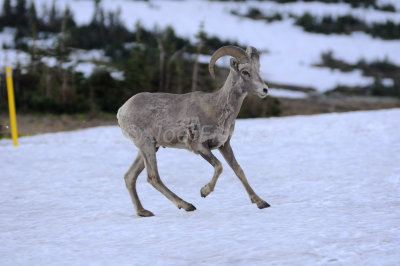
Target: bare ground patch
31, 124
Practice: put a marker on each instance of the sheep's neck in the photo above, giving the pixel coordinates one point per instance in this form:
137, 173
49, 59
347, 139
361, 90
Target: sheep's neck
229, 100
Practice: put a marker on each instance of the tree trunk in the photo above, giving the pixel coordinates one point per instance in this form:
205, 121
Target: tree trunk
64, 76
162, 64
196, 67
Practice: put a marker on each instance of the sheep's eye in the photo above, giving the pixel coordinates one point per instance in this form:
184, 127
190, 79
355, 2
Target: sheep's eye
246, 73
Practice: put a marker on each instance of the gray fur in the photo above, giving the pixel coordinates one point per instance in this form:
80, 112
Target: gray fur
197, 121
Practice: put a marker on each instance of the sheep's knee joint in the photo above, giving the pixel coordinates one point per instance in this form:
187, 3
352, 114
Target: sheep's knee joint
152, 180
128, 180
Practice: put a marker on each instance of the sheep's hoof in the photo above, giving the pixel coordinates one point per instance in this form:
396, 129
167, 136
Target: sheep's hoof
205, 191
187, 207
145, 213
190, 208
263, 204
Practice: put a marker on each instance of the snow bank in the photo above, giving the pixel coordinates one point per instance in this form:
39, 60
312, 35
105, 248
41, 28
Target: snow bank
369, 15
333, 182
283, 93
395, 3
10, 57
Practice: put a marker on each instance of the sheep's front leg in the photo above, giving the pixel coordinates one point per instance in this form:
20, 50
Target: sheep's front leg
209, 157
149, 155
227, 152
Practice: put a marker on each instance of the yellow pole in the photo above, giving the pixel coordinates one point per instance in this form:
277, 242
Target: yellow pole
11, 106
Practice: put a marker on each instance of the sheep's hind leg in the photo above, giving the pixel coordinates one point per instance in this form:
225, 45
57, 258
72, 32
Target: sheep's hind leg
209, 157
149, 154
130, 182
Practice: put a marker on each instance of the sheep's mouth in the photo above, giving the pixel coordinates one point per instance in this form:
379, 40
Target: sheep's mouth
262, 94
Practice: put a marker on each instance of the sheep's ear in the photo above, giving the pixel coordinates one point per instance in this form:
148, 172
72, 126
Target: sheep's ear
234, 64
252, 53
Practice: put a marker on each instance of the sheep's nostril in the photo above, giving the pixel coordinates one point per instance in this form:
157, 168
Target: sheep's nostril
265, 90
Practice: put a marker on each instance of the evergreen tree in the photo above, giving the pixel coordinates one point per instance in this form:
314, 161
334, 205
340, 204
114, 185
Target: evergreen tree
69, 18
7, 14
53, 13
7, 9
21, 14
106, 92
32, 18
54, 20
137, 78
32, 21
62, 57
138, 32
96, 15
199, 45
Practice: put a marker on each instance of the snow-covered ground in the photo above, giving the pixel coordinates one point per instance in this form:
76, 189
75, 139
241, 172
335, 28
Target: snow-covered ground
333, 181
291, 51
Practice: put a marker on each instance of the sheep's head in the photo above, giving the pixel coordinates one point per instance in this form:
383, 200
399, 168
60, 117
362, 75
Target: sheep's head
245, 65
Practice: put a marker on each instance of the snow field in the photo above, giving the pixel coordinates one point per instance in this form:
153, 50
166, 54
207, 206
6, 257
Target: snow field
332, 180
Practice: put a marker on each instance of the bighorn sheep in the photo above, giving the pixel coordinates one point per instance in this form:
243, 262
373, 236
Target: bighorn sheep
196, 121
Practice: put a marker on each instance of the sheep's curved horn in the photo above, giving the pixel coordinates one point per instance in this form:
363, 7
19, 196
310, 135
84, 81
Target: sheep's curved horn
233, 51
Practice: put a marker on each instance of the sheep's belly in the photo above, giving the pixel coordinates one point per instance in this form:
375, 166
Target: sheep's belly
191, 140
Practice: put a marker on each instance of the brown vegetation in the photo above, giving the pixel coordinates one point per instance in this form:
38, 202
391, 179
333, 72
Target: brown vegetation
328, 104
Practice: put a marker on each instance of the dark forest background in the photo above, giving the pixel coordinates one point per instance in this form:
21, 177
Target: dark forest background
149, 60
